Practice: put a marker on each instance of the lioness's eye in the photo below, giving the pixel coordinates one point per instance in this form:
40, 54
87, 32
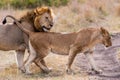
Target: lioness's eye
46, 17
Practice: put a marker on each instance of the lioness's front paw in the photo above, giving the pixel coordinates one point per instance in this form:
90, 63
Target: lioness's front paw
47, 70
50, 69
97, 71
69, 71
28, 73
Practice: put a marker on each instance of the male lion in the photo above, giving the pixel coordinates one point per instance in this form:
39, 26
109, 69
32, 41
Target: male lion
12, 38
71, 44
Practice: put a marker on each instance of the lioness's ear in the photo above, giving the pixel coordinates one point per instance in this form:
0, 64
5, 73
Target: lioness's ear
103, 31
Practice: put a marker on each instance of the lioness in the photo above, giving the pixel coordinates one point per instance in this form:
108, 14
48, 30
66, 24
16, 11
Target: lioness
70, 44
12, 38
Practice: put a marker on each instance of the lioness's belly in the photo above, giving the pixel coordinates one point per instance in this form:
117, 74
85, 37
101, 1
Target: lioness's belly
61, 50
11, 37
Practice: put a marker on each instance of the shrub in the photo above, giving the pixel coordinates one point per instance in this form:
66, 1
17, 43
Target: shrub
2, 4
35, 3
25, 3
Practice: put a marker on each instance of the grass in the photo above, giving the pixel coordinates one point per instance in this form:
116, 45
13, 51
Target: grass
92, 13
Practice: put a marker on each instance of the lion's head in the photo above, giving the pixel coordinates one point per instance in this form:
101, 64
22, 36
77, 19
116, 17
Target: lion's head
106, 39
41, 18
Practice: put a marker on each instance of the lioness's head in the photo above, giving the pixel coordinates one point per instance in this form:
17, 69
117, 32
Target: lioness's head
106, 39
43, 19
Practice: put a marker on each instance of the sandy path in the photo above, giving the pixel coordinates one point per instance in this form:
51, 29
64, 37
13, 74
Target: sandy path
106, 59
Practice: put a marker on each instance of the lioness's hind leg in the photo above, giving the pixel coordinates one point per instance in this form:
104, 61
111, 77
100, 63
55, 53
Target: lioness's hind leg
41, 63
27, 64
31, 58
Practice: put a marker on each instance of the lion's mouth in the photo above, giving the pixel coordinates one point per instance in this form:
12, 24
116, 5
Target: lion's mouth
45, 28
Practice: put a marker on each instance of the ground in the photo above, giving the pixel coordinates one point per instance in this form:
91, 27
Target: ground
9, 71
106, 59
78, 14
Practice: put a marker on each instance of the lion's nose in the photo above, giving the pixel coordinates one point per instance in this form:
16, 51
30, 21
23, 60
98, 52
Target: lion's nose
51, 24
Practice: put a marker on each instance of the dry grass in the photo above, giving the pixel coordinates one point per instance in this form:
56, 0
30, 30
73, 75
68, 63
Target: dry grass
77, 15
57, 62
88, 13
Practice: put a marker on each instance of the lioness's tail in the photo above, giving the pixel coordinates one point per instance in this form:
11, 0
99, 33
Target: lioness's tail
18, 24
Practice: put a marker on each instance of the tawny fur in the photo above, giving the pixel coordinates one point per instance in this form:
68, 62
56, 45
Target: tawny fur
84, 41
12, 38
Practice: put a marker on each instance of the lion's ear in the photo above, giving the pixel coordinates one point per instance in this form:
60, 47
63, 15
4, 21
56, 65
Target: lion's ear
39, 11
36, 12
49, 10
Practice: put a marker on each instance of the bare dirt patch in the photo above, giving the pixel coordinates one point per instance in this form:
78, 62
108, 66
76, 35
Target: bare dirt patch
106, 59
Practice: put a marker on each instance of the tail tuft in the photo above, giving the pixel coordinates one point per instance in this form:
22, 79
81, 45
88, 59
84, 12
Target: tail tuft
4, 21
